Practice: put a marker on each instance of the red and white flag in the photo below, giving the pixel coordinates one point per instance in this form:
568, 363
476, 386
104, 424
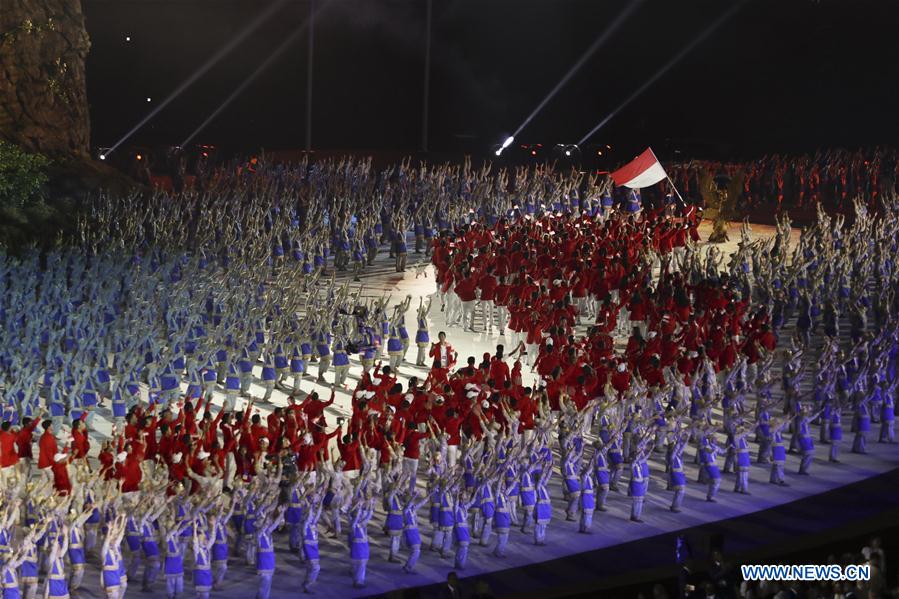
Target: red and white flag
642, 171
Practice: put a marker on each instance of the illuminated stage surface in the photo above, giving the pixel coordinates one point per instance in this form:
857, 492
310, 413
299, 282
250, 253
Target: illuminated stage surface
610, 528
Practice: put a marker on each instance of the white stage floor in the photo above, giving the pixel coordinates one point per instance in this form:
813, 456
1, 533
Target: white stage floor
610, 528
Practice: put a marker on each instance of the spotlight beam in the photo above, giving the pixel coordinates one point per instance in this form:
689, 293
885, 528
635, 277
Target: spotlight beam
215, 59
668, 65
597, 43
259, 69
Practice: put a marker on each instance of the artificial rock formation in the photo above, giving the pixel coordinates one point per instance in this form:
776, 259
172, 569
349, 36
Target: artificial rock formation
43, 94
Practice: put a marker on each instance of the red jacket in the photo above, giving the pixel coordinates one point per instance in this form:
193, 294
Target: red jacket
466, 289
24, 439
412, 445
8, 454
80, 441
499, 372
48, 449
131, 473
621, 381
107, 464
61, 481
349, 453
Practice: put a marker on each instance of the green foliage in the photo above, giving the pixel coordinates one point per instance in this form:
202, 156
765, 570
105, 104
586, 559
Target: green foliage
22, 176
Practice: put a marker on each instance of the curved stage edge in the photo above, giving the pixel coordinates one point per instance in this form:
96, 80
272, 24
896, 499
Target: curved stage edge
859, 508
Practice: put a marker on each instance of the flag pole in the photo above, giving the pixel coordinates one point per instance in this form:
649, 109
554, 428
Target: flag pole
682, 202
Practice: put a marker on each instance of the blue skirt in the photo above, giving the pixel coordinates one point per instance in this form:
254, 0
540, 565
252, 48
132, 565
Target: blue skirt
461, 534
544, 512
293, 515
151, 549
528, 498
174, 565
712, 471
76, 556
111, 578
779, 453
265, 561
412, 537
59, 588
220, 552
310, 550
359, 550
203, 578
445, 518
394, 523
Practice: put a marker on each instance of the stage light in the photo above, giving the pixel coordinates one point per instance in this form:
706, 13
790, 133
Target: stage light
139, 157
508, 142
259, 69
102, 156
215, 59
149, 99
127, 38
568, 152
667, 67
498, 152
533, 152
629, 8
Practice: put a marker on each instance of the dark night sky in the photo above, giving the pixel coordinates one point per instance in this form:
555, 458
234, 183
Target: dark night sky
787, 75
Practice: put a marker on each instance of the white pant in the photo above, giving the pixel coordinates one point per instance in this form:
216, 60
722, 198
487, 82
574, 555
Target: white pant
468, 314
230, 400
410, 468
358, 569
46, 474
8, 476
488, 313
533, 349
453, 308
502, 317
313, 567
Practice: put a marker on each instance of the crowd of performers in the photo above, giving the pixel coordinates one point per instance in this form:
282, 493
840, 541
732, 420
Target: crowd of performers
833, 178
166, 313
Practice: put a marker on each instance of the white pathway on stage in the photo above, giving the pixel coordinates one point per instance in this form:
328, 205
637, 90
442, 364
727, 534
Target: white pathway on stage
609, 528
